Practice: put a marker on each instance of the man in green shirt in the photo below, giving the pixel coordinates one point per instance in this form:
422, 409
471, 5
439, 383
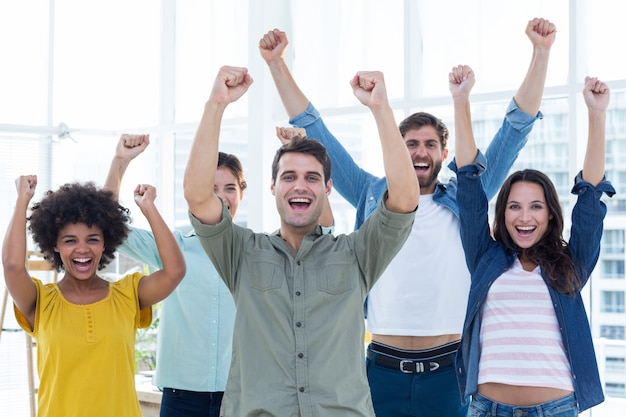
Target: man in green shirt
298, 339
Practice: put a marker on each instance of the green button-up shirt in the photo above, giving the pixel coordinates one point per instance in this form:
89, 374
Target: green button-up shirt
299, 328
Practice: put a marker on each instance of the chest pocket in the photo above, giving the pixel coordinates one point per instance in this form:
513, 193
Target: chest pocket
335, 275
266, 270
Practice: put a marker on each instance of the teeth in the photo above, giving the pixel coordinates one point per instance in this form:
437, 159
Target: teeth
299, 200
82, 259
421, 165
525, 228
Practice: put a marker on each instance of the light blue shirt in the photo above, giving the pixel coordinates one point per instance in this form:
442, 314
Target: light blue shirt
195, 330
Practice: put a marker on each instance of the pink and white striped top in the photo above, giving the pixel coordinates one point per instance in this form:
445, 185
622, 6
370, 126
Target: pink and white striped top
519, 337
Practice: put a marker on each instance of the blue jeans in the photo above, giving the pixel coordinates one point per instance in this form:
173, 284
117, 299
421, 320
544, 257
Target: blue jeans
484, 407
181, 403
428, 394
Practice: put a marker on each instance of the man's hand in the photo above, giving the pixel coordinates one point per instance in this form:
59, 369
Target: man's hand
541, 32
230, 84
369, 88
285, 134
273, 45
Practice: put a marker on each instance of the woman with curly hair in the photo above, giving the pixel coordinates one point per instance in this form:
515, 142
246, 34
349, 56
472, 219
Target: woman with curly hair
85, 325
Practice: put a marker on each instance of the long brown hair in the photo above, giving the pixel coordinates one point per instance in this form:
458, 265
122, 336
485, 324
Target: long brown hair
550, 252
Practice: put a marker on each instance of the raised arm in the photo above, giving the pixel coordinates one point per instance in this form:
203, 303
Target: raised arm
229, 85
541, 33
369, 88
597, 95
158, 285
16, 276
273, 46
461, 80
522, 114
128, 148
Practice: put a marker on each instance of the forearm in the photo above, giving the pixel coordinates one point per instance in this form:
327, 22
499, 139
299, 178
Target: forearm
199, 177
113, 181
401, 180
16, 276
161, 283
465, 150
293, 99
528, 96
593, 166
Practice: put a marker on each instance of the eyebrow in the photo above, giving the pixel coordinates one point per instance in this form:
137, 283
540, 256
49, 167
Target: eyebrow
293, 171
89, 235
531, 202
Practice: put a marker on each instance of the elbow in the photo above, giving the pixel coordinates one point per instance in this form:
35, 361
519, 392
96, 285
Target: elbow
12, 266
177, 271
179, 274
405, 204
194, 198
410, 204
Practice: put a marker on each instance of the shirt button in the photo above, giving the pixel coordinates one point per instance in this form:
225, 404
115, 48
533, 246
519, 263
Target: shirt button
298, 324
301, 389
298, 262
301, 355
298, 293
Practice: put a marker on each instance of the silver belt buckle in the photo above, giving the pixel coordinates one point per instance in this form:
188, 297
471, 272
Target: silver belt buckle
419, 367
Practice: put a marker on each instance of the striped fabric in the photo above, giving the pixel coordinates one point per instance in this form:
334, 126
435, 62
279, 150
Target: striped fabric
519, 336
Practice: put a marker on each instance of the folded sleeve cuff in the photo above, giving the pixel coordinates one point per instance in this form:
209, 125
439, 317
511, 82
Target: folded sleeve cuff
581, 186
306, 118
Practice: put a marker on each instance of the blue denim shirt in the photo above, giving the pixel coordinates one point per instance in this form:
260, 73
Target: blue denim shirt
488, 259
364, 190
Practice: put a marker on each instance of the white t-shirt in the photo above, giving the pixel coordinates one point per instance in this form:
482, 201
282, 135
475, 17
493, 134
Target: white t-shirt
423, 292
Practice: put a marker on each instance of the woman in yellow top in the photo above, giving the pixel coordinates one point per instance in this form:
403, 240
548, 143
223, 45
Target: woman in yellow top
84, 325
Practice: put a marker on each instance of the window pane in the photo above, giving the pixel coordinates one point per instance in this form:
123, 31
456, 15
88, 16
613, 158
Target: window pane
209, 34
490, 38
333, 40
107, 68
604, 24
24, 69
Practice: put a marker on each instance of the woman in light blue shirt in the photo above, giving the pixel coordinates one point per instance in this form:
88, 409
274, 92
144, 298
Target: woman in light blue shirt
196, 321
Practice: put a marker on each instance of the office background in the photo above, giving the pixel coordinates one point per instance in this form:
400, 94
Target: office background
76, 74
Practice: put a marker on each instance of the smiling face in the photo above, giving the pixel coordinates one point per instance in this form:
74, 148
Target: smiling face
427, 155
300, 191
227, 187
526, 214
80, 248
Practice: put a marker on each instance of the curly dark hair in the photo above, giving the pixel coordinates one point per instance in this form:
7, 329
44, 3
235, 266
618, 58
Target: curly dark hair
78, 203
551, 251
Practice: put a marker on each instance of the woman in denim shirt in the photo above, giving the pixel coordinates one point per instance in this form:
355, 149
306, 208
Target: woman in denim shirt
526, 346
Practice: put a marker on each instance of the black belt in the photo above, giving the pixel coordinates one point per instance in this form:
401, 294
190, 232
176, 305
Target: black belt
409, 366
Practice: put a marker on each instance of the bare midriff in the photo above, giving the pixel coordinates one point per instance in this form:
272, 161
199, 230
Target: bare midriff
520, 396
415, 342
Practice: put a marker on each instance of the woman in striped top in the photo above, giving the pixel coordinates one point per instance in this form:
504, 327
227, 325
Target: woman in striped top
526, 347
